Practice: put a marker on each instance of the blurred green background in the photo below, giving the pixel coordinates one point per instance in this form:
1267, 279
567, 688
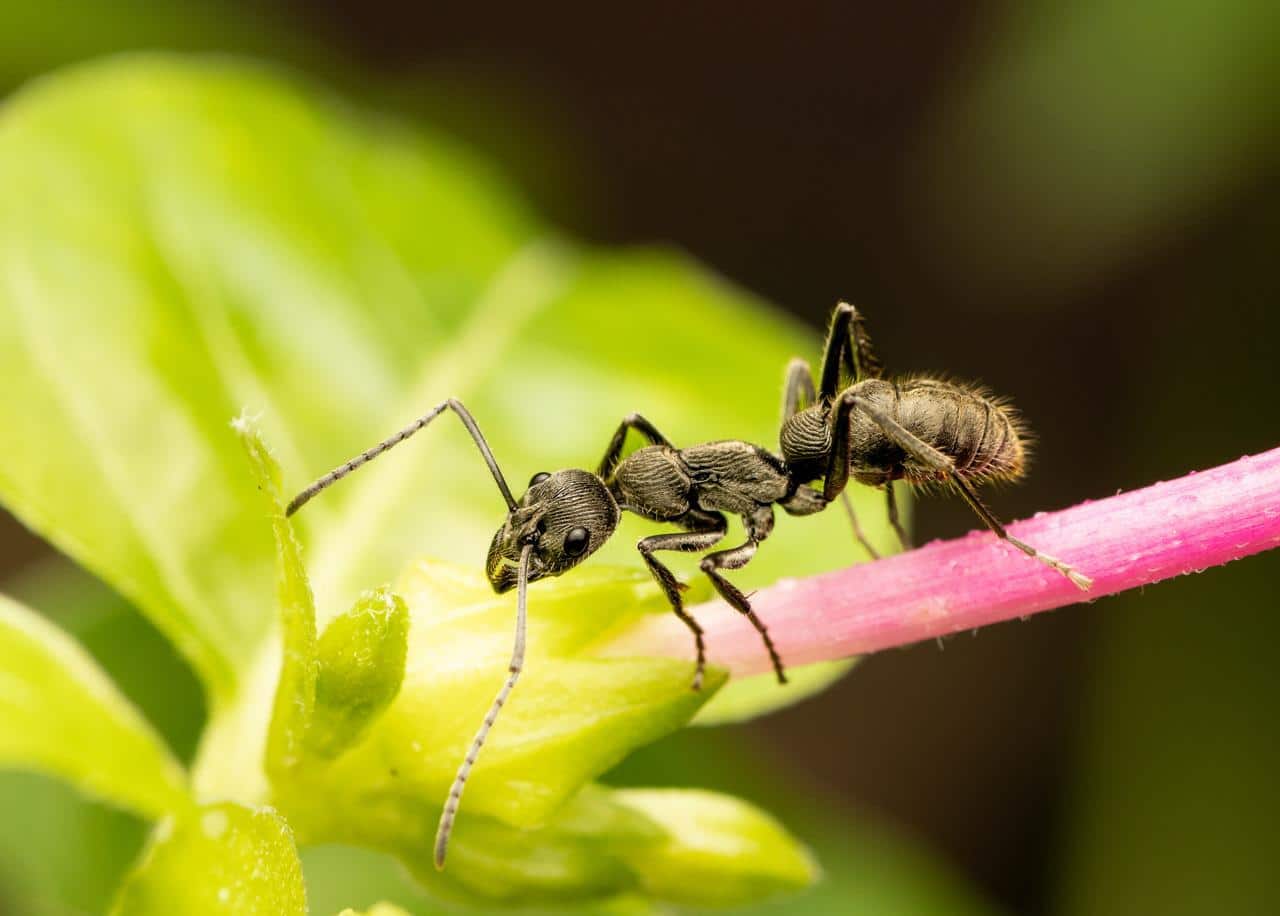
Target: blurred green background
1074, 202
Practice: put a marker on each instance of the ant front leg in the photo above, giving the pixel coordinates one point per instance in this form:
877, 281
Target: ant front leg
759, 526
705, 530
613, 453
937, 461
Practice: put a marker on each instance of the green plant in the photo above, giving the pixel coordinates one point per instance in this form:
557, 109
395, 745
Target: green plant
185, 240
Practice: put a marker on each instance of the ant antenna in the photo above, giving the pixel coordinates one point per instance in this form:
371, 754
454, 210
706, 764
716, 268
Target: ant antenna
517, 662
366, 456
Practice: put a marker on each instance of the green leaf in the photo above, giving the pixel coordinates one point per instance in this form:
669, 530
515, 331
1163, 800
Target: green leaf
76, 859
222, 858
291, 713
183, 239
159, 264
607, 850
60, 713
719, 851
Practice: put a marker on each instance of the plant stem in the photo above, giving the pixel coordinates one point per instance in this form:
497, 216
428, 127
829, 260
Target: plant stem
1125, 541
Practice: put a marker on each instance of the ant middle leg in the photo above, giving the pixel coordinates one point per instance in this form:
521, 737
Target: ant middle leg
759, 525
706, 529
935, 460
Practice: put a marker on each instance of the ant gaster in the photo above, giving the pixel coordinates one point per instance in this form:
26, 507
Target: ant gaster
564, 517
917, 429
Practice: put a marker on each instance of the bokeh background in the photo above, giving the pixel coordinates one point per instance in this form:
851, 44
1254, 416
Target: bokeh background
1076, 202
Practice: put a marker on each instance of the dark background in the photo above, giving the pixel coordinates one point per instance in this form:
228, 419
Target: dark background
1077, 206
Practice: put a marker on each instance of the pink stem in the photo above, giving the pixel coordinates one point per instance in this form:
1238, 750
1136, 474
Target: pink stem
1137, 538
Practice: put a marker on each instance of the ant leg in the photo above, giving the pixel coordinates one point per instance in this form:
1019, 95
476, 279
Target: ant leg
614, 451
857, 528
840, 456
804, 501
368, 455
937, 461
891, 501
759, 525
1080, 580
807, 501
798, 390
706, 528
848, 344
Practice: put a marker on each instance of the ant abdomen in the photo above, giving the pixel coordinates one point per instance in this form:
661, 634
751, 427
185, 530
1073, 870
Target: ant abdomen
980, 434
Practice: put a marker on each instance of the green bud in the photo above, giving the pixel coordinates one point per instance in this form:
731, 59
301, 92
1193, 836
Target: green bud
359, 668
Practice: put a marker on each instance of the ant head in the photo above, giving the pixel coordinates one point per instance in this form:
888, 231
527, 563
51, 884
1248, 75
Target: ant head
566, 516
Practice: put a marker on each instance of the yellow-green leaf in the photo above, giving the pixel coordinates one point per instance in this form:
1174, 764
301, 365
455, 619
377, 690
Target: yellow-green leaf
296, 687
719, 851
59, 712
218, 859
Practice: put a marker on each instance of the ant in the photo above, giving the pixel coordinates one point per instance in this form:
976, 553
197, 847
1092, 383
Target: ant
564, 517
918, 429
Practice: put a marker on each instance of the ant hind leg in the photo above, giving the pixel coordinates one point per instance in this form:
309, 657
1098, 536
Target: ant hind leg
932, 458
848, 345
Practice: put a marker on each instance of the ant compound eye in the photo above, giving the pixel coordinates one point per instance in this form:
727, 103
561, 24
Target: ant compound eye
538, 478
575, 542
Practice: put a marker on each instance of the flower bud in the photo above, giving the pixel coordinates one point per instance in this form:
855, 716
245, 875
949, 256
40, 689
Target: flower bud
359, 667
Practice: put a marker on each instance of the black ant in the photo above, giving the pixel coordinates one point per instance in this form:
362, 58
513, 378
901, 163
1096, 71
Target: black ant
918, 429
564, 517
